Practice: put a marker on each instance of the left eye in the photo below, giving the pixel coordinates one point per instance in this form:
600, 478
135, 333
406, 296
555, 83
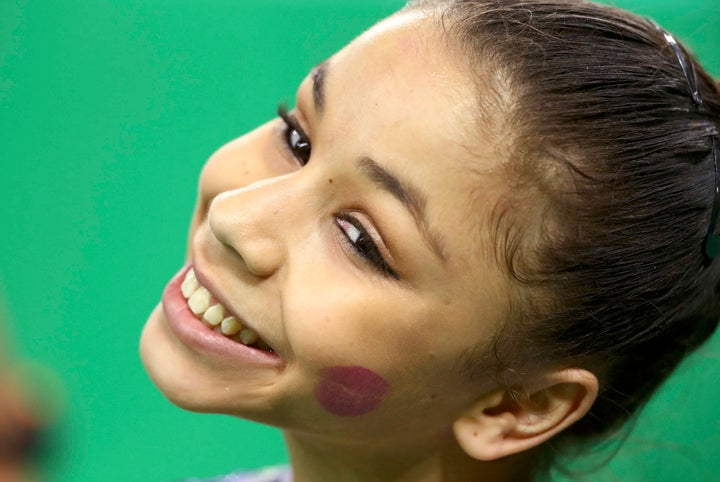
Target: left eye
363, 244
295, 138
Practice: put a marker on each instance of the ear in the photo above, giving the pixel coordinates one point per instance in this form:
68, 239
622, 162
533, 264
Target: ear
509, 421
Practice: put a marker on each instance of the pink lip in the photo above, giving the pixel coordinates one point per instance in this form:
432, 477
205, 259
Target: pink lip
198, 337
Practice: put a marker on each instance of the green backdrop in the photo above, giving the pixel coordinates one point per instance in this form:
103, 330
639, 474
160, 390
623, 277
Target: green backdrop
108, 110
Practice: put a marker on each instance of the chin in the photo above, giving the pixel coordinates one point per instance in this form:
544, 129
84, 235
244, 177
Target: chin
164, 369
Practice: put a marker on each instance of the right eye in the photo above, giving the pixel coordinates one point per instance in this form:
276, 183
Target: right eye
296, 141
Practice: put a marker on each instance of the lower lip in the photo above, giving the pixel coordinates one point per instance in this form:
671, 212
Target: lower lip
197, 336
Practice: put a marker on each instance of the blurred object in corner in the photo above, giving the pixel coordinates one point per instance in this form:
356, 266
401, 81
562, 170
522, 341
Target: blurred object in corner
30, 404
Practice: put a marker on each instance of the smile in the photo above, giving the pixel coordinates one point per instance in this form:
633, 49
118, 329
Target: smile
208, 310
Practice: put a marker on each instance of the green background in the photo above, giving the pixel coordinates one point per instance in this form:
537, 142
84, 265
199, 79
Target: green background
108, 110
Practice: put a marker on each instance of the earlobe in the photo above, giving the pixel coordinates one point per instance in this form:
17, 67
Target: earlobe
510, 421
479, 433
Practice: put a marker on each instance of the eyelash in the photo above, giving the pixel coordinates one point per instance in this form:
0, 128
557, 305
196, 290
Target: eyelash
301, 148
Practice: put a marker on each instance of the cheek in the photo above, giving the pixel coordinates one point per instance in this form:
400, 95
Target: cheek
350, 391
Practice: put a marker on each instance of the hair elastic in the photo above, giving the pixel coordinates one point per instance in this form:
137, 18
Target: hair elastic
712, 239
687, 67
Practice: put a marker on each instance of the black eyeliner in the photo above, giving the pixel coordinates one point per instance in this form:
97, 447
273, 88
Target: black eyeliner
374, 257
291, 120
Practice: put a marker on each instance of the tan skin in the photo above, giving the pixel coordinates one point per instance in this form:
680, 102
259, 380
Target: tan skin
275, 237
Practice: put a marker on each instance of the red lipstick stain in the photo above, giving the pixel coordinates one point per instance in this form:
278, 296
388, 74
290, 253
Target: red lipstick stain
350, 391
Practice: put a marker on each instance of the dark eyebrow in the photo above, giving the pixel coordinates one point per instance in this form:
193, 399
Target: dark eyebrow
318, 75
413, 199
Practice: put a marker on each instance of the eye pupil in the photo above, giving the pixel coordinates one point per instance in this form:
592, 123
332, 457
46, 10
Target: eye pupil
300, 146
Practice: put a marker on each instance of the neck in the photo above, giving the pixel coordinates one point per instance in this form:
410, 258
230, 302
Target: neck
316, 460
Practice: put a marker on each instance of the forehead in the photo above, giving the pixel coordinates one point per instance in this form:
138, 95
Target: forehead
404, 74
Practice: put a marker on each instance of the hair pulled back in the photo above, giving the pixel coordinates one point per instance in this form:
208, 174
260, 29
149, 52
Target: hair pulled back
612, 178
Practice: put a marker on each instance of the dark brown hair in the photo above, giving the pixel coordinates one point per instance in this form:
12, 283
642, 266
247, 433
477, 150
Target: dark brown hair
612, 178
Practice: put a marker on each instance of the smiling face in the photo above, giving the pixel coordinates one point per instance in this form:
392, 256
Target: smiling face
347, 235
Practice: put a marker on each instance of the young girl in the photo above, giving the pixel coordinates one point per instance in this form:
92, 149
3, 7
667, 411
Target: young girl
485, 226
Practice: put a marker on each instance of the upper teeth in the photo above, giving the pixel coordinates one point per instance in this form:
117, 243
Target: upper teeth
200, 301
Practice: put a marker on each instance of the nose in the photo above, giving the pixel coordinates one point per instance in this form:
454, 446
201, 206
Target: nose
256, 222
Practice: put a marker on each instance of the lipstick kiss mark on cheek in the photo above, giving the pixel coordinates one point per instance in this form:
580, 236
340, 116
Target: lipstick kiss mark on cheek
350, 391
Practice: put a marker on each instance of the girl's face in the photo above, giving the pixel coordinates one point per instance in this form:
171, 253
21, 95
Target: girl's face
349, 237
